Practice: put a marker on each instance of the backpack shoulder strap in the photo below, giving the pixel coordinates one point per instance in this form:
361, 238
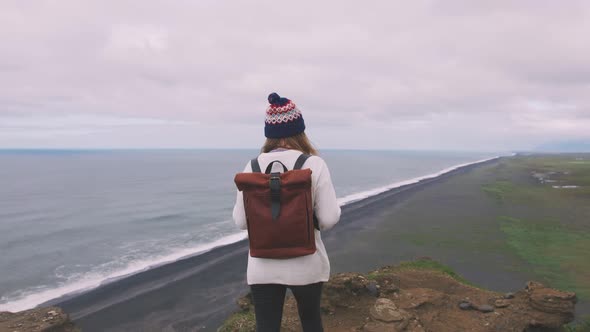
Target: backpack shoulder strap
301, 160
298, 164
255, 165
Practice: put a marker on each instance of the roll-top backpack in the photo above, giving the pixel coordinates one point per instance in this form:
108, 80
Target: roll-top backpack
279, 211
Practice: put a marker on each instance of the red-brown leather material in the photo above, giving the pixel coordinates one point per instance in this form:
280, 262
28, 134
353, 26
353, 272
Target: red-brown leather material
292, 233
254, 181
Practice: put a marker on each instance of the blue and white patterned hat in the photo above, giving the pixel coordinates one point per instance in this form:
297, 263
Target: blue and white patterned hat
283, 118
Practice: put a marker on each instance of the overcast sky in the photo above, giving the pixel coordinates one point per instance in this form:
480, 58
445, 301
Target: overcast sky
467, 75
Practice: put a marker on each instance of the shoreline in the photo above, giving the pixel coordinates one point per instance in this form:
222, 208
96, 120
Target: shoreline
201, 290
85, 285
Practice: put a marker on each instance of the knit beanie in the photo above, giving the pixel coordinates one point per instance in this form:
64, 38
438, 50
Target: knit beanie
283, 118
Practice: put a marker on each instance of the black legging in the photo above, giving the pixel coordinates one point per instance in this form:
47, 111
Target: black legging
268, 305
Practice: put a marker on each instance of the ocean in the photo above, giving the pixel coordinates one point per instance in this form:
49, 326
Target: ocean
71, 220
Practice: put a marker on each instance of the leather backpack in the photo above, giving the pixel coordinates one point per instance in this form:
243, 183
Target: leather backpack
279, 211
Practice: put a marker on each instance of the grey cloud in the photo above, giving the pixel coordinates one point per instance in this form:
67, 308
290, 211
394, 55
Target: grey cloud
418, 64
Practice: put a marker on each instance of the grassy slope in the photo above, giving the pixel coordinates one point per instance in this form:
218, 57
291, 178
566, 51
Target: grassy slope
546, 227
555, 239
422, 264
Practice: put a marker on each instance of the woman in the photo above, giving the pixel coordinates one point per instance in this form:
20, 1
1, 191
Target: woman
304, 275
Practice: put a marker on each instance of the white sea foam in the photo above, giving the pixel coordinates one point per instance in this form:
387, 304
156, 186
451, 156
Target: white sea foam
30, 299
372, 192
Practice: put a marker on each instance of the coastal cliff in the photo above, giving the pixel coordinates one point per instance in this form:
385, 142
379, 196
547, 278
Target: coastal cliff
420, 296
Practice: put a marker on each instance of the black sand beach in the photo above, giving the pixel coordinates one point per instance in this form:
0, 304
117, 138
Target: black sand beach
447, 218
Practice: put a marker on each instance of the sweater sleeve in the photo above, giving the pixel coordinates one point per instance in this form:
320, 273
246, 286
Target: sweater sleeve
326, 205
239, 214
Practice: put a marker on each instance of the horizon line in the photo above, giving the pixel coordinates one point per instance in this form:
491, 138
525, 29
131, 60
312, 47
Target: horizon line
40, 149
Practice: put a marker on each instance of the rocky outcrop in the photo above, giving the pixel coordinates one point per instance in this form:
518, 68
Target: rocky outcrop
550, 307
420, 300
48, 319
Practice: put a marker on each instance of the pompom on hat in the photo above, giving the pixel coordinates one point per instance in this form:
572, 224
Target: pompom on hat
283, 118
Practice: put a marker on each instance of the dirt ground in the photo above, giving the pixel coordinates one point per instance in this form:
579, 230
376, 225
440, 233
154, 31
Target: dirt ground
424, 296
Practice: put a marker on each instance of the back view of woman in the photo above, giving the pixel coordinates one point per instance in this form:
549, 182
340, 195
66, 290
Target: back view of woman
269, 278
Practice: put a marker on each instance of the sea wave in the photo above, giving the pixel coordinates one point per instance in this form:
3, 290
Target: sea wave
30, 298
376, 191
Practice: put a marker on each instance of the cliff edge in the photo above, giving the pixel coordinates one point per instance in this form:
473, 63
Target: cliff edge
421, 296
46, 319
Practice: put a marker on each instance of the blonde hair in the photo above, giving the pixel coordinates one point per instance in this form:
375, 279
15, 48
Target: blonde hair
297, 142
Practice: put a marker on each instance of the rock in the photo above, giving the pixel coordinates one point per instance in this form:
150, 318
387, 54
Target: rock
415, 326
327, 308
343, 288
416, 297
373, 289
388, 283
378, 327
388, 286
550, 300
401, 325
501, 303
386, 311
464, 305
484, 308
551, 308
509, 295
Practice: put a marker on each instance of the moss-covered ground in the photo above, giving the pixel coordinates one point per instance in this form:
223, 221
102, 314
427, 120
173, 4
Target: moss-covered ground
239, 322
554, 235
421, 264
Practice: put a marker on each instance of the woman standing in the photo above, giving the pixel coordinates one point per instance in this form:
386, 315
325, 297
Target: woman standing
269, 278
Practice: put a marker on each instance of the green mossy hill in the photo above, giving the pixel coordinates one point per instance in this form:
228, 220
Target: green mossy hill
543, 208
558, 253
541, 179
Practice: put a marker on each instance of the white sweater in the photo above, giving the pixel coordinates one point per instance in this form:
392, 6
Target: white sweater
305, 269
